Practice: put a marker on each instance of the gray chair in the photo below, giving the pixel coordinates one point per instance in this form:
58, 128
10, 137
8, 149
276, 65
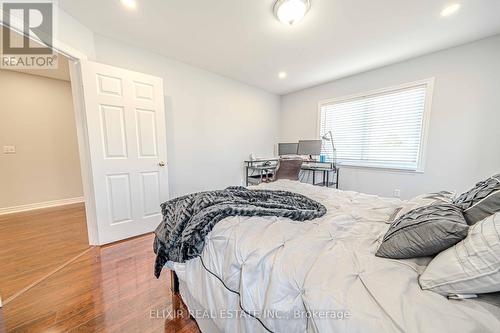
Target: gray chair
288, 169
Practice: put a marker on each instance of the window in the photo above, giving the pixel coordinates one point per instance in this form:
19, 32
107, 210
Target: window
384, 129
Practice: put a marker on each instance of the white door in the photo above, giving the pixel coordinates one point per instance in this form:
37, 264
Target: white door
125, 123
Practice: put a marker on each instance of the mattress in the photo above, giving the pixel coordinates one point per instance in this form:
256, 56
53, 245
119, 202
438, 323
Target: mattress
268, 274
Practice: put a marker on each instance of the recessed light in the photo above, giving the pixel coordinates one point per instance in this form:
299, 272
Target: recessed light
291, 11
450, 10
282, 75
130, 4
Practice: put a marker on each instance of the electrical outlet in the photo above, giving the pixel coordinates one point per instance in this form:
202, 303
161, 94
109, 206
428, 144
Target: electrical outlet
397, 193
9, 149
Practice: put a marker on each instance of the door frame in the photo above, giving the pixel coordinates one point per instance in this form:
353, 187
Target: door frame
74, 57
84, 150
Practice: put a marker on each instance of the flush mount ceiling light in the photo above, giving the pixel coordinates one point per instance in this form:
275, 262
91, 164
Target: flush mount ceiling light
291, 11
130, 4
450, 10
282, 75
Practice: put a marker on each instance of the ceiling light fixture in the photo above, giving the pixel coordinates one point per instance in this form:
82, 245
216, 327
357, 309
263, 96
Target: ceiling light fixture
282, 75
450, 10
291, 11
130, 4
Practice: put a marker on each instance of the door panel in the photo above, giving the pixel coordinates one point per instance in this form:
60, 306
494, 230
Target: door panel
119, 198
125, 120
150, 193
113, 131
146, 130
109, 85
143, 91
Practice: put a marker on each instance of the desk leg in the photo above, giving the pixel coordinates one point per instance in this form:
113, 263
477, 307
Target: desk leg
314, 178
246, 178
337, 171
327, 184
174, 283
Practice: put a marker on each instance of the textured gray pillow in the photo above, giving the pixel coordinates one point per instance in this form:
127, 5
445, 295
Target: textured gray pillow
420, 201
424, 231
481, 201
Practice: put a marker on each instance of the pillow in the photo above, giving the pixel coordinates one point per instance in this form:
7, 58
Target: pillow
395, 213
424, 231
471, 266
420, 201
481, 201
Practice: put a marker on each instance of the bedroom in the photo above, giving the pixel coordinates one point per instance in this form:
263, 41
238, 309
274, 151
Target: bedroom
230, 80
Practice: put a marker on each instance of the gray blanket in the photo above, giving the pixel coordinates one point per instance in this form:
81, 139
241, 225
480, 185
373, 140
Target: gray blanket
188, 219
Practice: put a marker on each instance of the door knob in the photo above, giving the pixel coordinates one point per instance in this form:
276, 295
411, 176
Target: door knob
162, 164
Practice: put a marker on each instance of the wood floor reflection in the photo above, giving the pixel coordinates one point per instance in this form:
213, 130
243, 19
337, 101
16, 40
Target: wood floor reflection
34, 243
108, 289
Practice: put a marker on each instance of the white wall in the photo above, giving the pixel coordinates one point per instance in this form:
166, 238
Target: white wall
74, 35
36, 116
213, 123
464, 137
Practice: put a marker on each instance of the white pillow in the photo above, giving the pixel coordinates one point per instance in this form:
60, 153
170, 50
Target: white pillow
421, 201
472, 266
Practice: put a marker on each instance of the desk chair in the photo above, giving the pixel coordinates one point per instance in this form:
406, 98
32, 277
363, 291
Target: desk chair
288, 169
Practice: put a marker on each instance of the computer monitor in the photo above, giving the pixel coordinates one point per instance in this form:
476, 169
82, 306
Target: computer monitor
309, 147
287, 149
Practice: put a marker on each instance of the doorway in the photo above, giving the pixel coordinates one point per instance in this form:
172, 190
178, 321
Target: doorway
42, 209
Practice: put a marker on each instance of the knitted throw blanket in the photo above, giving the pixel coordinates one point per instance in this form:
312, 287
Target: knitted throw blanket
188, 219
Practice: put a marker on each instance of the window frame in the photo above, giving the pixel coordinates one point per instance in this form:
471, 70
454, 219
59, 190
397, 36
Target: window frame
429, 90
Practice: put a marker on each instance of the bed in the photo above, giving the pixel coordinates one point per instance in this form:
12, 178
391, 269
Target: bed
269, 274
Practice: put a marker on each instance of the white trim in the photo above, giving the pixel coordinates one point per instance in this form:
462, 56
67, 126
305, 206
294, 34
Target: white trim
429, 83
84, 150
377, 91
40, 205
425, 124
376, 168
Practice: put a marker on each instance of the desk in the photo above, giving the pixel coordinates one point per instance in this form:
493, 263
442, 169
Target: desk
260, 170
263, 170
325, 169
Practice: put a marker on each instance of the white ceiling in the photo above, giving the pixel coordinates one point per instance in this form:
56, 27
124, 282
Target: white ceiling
242, 40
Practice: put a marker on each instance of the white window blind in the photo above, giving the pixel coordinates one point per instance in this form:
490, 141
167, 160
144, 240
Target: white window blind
384, 129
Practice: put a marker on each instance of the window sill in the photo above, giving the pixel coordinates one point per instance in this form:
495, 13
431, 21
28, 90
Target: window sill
379, 168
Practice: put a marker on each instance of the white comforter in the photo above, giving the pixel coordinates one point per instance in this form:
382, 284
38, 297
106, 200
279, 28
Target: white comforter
318, 276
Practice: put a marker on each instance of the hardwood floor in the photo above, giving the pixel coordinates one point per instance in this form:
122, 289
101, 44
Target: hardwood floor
35, 243
108, 289
80, 288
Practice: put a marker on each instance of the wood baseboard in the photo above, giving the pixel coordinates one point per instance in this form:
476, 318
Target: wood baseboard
40, 205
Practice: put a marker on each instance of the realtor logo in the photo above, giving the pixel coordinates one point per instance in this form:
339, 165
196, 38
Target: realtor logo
27, 43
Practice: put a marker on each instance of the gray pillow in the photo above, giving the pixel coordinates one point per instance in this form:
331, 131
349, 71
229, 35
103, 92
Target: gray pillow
420, 201
481, 201
424, 231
